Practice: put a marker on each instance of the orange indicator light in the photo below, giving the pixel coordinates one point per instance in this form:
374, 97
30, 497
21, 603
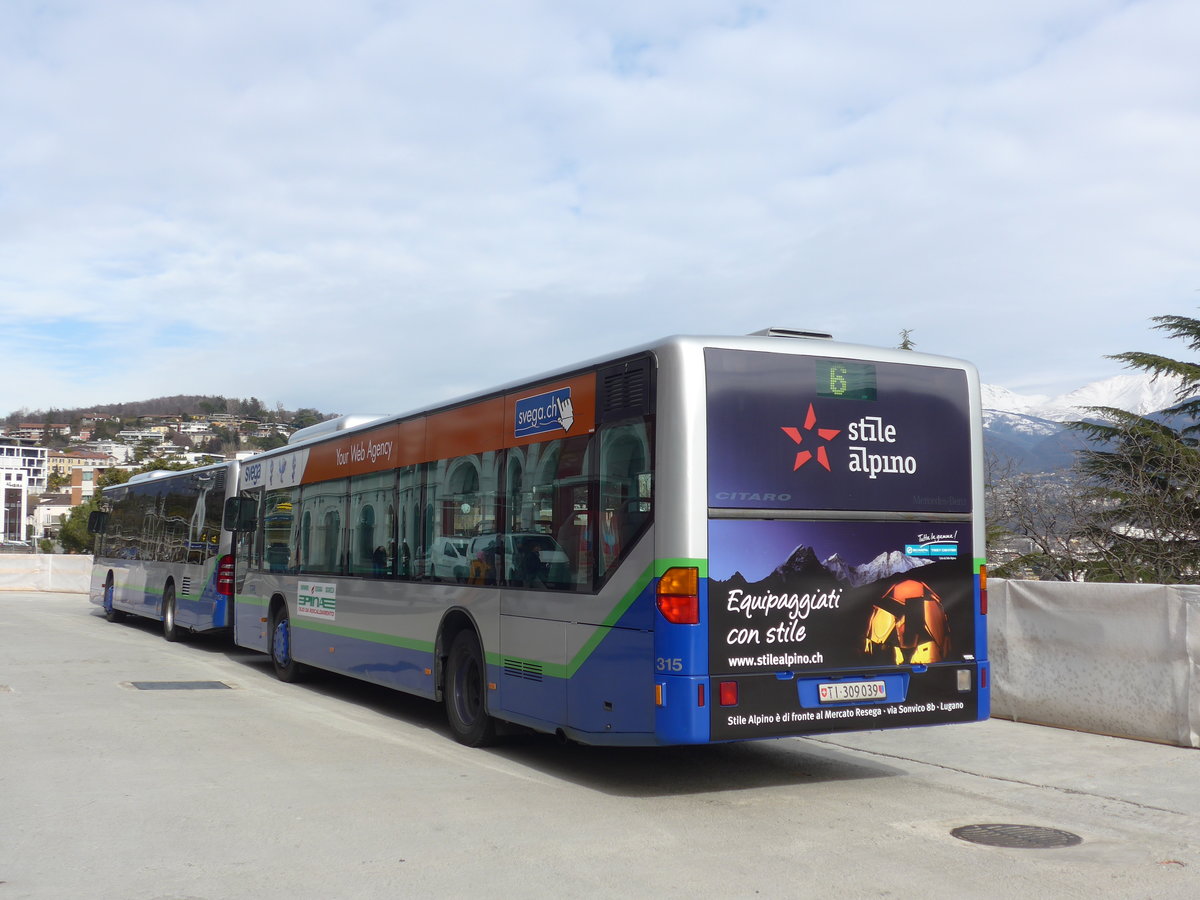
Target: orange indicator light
679, 595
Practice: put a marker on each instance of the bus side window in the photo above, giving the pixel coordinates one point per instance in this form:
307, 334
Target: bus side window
626, 488
322, 537
549, 516
372, 524
277, 526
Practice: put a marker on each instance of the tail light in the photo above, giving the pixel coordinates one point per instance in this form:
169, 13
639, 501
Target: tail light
225, 576
679, 595
983, 590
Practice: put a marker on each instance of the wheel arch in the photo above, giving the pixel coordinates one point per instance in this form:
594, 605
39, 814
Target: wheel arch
277, 601
454, 622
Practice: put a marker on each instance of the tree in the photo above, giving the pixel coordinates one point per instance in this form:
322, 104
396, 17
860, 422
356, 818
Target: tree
1033, 523
251, 409
73, 533
906, 341
1143, 483
212, 405
269, 442
1142, 477
1188, 393
305, 417
105, 431
112, 476
144, 448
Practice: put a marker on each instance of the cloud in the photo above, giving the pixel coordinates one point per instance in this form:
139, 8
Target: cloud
373, 205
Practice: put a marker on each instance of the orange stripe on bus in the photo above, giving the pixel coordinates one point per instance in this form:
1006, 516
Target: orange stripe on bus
477, 428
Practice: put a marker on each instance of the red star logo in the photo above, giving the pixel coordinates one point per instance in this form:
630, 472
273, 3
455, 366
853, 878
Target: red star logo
826, 434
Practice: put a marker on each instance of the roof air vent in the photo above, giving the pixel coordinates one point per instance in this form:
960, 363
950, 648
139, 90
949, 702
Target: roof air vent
778, 331
329, 426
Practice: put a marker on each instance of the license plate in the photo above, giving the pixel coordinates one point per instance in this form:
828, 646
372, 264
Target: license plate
849, 691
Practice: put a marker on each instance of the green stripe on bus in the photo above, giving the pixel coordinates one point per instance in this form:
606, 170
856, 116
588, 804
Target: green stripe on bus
549, 669
559, 670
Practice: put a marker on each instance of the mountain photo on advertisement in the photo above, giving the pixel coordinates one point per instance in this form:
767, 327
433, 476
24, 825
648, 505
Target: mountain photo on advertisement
804, 563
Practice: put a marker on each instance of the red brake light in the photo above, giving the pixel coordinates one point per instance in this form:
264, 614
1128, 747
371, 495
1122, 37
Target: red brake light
727, 693
225, 576
983, 590
679, 596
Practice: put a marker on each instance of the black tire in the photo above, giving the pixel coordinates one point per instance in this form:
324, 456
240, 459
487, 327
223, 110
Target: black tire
280, 639
171, 630
465, 692
110, 614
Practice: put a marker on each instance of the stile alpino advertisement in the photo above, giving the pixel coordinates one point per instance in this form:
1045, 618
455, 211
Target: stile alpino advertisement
835, 605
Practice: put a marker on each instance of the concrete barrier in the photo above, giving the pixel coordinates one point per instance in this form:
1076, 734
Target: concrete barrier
45, 572
1117, 659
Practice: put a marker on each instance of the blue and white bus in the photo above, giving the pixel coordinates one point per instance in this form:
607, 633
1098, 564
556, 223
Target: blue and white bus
700, 539
161, 552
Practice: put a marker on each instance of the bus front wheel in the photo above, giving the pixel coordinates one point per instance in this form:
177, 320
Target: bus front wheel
466, 692
286, 668
111, 614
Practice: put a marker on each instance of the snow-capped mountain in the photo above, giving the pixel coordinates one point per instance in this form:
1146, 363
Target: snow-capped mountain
881, 567
803, 562
1136, 393
1028, 428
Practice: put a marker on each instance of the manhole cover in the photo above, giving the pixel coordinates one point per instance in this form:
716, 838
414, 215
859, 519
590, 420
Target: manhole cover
1019, 837
180, 685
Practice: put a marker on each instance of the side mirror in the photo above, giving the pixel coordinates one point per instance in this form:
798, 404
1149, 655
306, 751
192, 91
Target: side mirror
240, 514
97, 522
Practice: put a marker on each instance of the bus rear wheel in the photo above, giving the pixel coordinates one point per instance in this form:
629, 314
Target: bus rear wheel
466, 692
171, 630
286, 668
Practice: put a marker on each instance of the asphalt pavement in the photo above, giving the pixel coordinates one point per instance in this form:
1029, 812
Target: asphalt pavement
241, 786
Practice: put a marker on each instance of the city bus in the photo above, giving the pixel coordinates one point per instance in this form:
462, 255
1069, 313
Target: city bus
161, 552
701, 539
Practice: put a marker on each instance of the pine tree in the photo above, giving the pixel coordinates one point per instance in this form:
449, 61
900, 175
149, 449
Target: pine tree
1188, 395
1143, 477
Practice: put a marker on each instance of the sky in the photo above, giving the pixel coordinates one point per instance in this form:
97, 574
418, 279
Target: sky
365, 206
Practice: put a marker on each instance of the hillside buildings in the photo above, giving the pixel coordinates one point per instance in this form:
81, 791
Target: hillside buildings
29, 510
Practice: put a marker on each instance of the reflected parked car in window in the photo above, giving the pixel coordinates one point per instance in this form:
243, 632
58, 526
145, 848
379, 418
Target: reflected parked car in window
520, 559
448, 559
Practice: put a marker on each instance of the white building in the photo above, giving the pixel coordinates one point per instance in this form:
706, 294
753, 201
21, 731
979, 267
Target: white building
34, 461
14, 502
23, 471
122, 453
193, 428
137, 436
47, 514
